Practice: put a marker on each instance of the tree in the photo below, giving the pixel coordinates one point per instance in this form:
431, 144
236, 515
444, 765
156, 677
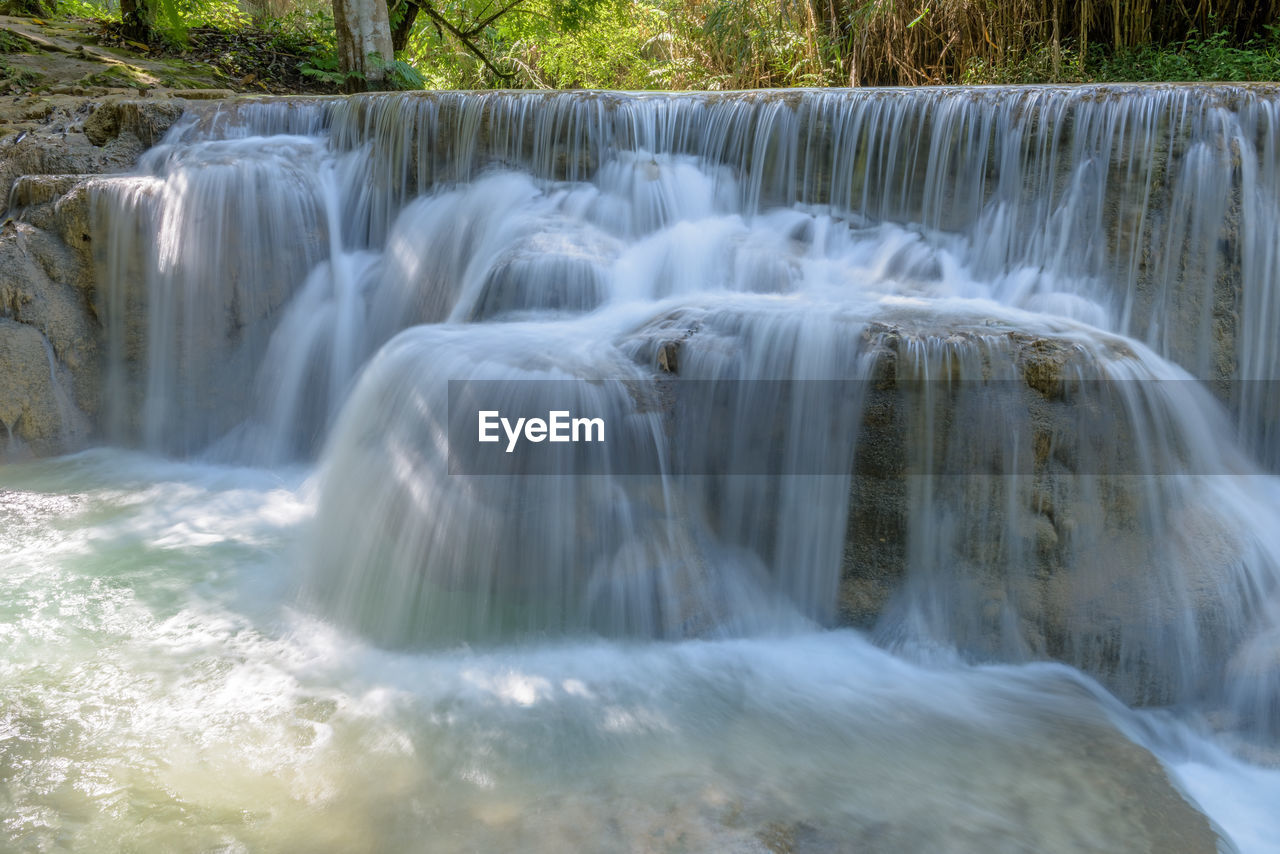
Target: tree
370, 33
481, 26
465, 30
138, 17
364, 43
144, 19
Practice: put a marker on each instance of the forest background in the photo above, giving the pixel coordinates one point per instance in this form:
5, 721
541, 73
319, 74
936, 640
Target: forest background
292, 45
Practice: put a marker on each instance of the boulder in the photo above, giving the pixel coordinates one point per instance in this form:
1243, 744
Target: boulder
103, 125
34, 190
62, 154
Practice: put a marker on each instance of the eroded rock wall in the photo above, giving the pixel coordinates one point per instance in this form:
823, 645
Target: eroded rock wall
51, 336
1011, 496
1033, 509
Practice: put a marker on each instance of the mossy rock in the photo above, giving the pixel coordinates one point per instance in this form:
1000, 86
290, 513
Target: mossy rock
11, 42
22, 78
117, 76
38, 8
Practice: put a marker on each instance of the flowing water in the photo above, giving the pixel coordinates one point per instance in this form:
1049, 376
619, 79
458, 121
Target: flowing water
937, 495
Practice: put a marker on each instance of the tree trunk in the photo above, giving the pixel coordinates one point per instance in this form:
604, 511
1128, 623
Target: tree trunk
363, 30
136, 15
403, 27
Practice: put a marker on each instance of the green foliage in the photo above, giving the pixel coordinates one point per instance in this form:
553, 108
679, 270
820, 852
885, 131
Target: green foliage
753, 43
324, 67
223, 14
1034, 66
13, 43
172, 19
1195, 59
400, 74
307, 33
168, 19
570, 16
1211, 58
613, 44
85, 9
32, 8
734, 44
540, 43
302, 30
603, 52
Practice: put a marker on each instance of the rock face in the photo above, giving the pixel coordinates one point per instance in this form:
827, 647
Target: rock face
895, 449
51, 341
141, 121
1001, 498
50, 334
35, 409
1011, 510
97, 137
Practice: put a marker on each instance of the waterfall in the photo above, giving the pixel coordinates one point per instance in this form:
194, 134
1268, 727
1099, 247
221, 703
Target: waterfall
986, 372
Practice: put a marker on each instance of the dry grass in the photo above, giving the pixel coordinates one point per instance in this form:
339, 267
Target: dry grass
904, 42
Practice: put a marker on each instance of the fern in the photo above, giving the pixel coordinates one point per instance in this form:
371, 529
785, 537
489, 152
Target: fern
405, 76
324, 67
400, 74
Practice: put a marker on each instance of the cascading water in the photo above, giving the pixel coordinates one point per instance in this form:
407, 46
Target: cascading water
984, 373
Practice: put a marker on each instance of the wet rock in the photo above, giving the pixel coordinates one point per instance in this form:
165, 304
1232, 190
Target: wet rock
144, 120
660, 343
63, 153
149, 120
35, 417
48, 290
560, 271
1001, 497
70, 220
669, 357
1068, 548
1043, 362
104, 124
205, 94
30, 190
43, 290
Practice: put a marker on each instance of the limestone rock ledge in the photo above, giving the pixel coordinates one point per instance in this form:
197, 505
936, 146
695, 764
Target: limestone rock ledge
51, 336
1019, 518
1001, 494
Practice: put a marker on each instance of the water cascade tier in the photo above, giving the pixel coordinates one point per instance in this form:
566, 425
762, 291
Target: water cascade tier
964, 397
992, 307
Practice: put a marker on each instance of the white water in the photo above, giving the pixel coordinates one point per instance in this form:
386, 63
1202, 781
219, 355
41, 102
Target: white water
162, 691
337, 644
